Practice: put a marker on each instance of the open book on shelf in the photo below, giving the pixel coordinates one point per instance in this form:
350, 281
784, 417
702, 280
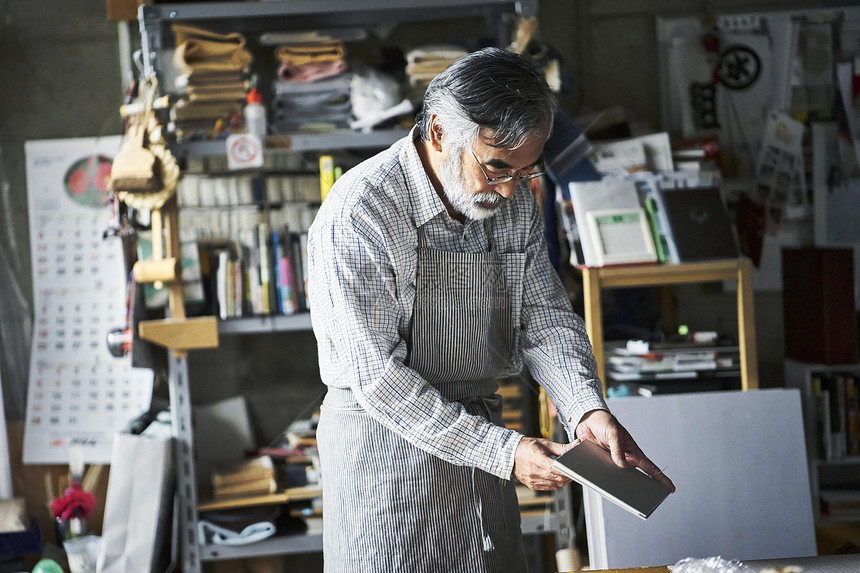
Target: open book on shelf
591, 466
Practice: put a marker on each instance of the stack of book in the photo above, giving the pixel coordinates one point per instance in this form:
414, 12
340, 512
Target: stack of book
212, 85
262, 273
302, 434
837, 413
252, 477
661, 367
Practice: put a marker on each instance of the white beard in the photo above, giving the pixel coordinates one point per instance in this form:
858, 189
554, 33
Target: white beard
453, 186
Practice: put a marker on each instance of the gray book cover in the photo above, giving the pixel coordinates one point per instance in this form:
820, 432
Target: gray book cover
591, 466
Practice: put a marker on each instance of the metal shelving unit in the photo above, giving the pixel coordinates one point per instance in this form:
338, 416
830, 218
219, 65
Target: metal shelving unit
299, 142
839, 476
254, 17
310, 542
283, 15
266, 324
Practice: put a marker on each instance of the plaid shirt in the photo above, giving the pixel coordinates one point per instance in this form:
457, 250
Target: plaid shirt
362, 253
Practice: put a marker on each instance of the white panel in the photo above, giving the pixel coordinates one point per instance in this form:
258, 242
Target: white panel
738, 460
5, 468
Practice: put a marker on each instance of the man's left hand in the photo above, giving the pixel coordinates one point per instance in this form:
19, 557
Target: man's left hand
604, 429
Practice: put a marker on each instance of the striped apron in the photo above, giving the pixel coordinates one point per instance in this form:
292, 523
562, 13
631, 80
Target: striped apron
389, 506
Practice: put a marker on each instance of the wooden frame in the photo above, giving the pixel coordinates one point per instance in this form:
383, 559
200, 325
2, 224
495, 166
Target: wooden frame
595, 279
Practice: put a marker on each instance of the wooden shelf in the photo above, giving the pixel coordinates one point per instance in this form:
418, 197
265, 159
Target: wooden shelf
595, 279
283, 496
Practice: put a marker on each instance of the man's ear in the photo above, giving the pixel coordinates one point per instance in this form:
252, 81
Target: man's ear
435, 133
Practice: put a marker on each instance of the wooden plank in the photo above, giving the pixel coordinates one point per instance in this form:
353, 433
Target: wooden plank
165, 270
656, 275
659, 569
171, 218
283, 496
746, 327
591, 285
181, 334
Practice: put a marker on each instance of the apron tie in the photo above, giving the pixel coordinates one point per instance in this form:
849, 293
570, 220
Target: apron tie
481, 406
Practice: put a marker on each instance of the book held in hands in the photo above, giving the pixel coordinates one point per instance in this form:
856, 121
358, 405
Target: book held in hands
591, 466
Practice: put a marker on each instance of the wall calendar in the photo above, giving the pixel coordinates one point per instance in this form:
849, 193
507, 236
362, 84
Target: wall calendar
78, 393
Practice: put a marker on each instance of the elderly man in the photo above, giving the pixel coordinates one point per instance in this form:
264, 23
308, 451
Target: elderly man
429, 279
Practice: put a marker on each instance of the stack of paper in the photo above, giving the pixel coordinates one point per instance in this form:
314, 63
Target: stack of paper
246, 478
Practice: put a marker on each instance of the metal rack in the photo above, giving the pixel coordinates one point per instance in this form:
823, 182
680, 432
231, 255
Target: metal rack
284, 15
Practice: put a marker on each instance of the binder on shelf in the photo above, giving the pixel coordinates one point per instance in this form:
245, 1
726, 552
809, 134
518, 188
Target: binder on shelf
298, 273
621, 236
326, 175
265, 258
223, 282
303, 247
252, 293
651, 197
284, 275
608, 193
700, 223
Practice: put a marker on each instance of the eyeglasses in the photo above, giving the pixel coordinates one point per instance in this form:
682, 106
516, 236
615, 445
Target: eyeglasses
505, 178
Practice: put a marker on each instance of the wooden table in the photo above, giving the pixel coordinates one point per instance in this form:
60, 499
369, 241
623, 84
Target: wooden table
660, 569
819, 564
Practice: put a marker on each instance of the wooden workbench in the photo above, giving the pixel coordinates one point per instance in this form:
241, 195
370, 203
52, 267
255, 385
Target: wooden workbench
820, 564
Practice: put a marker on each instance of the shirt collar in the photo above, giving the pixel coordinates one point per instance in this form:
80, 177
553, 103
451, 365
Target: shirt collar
426, 203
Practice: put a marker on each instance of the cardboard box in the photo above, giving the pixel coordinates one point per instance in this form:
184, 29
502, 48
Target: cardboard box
818, 304
123, 10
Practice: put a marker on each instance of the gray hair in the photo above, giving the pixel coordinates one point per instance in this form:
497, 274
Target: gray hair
492, 89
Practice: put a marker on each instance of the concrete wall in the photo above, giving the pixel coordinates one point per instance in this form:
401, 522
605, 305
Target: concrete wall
60, 73
59, 78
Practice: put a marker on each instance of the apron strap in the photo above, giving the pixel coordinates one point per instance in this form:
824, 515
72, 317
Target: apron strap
481, 406
489, 226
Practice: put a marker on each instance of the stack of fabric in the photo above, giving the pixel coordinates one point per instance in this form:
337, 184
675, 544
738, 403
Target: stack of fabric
426, 62
212, 82
312, 90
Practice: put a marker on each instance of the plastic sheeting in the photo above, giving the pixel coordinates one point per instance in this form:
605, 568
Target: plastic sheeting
16, 324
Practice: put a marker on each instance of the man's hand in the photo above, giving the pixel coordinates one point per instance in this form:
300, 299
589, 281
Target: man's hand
604, 429
533, 464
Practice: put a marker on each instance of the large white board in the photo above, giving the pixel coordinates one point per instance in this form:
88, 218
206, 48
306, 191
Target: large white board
738, 460
5, 469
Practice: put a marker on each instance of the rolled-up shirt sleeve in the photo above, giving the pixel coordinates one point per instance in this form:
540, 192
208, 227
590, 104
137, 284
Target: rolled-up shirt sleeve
555, 344
353, 291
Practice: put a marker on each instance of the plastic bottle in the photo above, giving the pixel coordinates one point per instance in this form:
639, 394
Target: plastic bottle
255, 113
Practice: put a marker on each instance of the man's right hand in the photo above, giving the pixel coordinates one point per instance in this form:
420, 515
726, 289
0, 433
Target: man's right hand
533, 464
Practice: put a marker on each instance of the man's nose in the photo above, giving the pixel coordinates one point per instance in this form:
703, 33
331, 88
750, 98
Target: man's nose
506, 190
